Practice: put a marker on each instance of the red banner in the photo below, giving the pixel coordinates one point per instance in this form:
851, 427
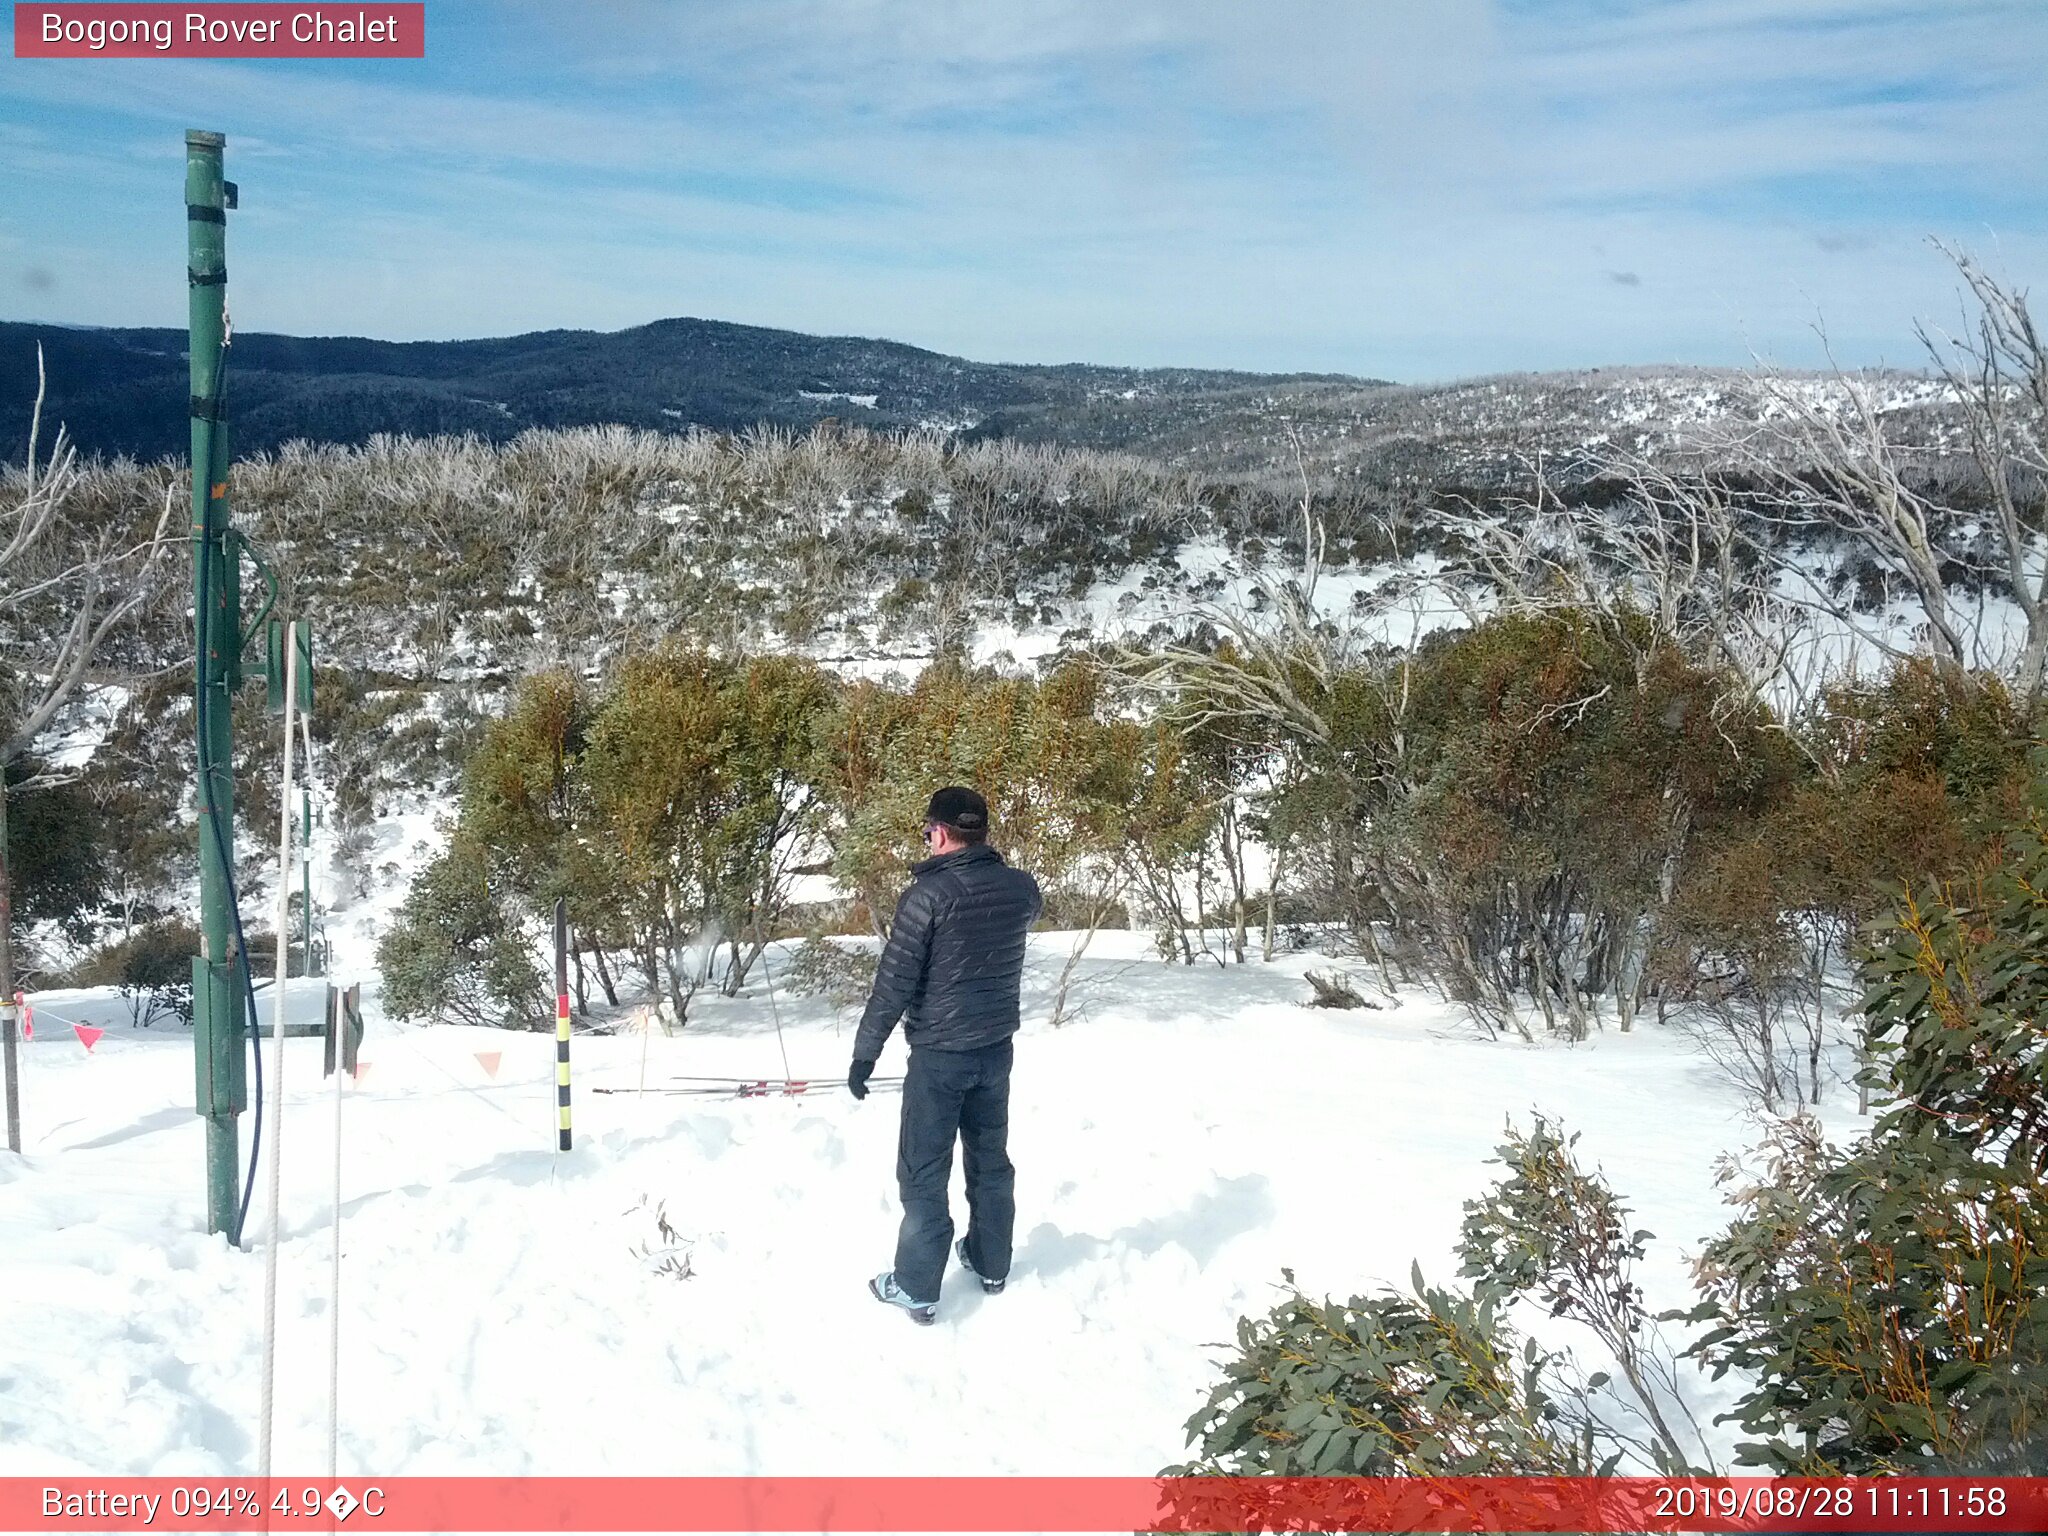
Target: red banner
215, 31
1027, 1504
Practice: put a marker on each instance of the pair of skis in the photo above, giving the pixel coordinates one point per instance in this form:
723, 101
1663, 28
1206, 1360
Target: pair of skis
754, 1087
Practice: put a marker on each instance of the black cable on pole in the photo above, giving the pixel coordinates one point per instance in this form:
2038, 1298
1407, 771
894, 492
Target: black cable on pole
222, 845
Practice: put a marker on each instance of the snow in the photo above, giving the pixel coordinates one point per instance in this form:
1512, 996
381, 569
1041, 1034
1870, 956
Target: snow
1389, 603
402, 841
83, 727
1192, 1133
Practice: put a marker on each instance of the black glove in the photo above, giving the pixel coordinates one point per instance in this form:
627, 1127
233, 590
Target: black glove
857, 1078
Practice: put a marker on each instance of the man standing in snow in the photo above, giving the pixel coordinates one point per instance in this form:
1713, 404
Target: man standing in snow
951, 971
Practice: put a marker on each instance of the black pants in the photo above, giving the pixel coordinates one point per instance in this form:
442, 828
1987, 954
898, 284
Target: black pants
948, 1094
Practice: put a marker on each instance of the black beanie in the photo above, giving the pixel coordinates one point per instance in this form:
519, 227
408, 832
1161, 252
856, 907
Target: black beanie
958, 807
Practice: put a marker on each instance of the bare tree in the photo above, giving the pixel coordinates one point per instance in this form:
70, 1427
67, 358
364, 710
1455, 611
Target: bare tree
1670, 550
1998, 372
1267, 685
1845, 464
64, 588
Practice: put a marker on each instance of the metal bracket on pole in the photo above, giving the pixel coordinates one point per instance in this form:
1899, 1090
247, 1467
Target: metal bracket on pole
344, 1017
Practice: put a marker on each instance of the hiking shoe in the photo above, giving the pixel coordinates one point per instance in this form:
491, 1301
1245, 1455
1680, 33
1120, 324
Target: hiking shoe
992, 1287
884, 1288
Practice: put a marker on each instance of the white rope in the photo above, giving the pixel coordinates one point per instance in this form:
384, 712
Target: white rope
339, 1025
276, 1129
306, 853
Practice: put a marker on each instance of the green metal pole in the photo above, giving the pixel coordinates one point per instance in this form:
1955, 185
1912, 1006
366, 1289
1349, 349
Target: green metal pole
217, 1015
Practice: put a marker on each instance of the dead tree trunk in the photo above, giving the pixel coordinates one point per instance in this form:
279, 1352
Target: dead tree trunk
9, 1023
604, 976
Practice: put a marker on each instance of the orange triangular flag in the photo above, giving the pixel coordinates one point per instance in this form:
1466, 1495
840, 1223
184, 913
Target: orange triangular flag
88, 1036
489, 1060
28, 1016
362, 1070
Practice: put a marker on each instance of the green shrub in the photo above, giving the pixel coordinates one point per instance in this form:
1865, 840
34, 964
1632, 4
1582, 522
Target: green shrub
1428, 1385
455, 952
152, 967
1887, 1303
58, 851
841, 973
1890, 1300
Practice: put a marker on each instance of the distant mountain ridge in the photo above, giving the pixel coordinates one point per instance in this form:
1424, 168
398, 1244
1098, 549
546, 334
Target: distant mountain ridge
124, 391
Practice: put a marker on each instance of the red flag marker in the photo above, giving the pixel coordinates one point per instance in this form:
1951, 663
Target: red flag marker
28, 1016
489, 1060
88, 1036
362, 1070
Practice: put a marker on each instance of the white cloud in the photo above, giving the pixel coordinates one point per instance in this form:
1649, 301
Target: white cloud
1383, 187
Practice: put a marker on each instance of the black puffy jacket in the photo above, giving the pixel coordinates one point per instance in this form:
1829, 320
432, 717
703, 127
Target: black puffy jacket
955, 955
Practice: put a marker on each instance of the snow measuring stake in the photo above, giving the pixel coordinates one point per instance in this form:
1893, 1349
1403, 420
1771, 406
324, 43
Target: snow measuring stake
562, 1022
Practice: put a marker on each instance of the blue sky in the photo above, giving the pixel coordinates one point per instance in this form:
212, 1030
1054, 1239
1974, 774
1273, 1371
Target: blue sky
1389, 187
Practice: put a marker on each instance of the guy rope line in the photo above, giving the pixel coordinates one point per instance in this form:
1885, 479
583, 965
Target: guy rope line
774, 1012
337, 1024
284, 898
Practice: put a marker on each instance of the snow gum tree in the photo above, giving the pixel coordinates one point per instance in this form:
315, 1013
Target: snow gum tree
1919, 773
455, 950
668, 808
700, 780
1059, 769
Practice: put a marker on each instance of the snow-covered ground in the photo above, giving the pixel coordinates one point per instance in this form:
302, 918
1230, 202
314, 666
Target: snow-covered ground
1194, 1132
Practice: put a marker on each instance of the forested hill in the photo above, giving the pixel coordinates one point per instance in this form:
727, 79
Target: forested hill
125, 391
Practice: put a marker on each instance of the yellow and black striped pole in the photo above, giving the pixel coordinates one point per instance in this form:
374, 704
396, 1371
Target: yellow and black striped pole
562, 1021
